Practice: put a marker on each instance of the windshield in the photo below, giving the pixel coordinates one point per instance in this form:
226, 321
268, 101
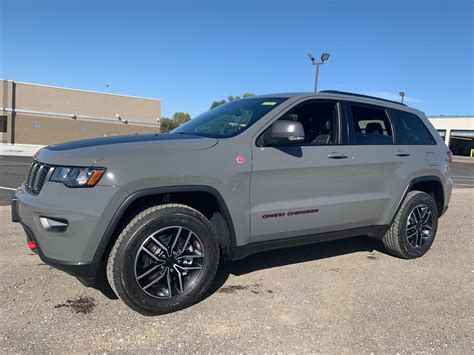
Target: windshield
230, 119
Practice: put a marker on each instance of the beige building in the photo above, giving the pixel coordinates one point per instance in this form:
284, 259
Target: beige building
40, 114
457, 132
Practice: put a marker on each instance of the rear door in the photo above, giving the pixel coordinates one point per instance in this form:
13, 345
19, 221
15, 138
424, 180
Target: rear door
379, 164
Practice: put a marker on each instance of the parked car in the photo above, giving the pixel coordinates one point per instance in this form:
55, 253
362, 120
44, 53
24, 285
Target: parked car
155, 214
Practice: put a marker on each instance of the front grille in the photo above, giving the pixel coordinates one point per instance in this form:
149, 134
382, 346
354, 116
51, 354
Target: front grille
37, 175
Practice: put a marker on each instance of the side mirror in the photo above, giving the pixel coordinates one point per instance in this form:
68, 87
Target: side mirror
284, 132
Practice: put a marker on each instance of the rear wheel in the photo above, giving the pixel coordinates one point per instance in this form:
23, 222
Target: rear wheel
414, 228
164, 260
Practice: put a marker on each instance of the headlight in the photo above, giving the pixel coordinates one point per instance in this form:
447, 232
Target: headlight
77, 177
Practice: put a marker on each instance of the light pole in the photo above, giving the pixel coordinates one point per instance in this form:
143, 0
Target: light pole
324, 57
402, 95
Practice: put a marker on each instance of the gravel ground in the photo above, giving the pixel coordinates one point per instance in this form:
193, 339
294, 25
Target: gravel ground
344, 296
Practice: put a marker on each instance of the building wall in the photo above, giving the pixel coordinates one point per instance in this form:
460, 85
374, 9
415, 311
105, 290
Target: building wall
448, 124
50, 130
458, 133
43, 113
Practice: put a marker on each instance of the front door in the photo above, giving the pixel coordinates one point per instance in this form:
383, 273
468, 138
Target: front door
304, 189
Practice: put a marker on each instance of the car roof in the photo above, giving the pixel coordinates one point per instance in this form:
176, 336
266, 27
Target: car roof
281, 94
334, 93
342, 95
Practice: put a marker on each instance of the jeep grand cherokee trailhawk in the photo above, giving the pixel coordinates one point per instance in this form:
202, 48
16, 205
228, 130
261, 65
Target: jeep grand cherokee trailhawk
154, 214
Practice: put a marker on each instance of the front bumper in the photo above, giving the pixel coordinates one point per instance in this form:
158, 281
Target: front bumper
85, 272
86, 211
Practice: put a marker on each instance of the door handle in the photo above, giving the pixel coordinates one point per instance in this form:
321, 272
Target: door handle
402, 154
337, 156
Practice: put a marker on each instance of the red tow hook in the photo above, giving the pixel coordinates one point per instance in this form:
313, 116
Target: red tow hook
32, 245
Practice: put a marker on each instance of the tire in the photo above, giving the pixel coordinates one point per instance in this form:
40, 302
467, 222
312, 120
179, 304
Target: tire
407, 238
180, 260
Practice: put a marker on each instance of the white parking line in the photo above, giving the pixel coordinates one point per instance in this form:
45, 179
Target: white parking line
462, 177
7, 188
8, 162
472, 185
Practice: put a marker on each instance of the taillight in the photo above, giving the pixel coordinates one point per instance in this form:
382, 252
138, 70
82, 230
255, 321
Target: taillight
450, 156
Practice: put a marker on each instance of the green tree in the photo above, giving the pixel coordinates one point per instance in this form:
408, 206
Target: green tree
229, 99
178, 118
232, 98
166, 125
218, 103
181, 117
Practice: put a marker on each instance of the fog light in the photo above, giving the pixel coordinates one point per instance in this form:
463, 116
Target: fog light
53, 224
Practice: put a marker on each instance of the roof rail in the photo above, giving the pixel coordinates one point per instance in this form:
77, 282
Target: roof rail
360, 95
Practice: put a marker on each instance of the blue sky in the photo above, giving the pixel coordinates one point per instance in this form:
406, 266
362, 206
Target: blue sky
190, 53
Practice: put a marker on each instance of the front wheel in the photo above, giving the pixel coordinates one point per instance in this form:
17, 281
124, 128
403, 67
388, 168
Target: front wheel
414, 227
164, 260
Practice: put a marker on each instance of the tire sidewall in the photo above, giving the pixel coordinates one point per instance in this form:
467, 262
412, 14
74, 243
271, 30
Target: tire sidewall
420, 198
138, 234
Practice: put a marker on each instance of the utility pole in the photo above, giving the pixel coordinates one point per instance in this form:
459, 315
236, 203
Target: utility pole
324, 58
13, 115
402, 95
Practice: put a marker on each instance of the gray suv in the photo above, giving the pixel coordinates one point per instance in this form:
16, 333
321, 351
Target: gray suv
153, 215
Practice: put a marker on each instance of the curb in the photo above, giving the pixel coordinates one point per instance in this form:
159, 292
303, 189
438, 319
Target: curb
462, 159
19, 150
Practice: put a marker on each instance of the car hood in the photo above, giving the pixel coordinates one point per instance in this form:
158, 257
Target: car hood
89, 151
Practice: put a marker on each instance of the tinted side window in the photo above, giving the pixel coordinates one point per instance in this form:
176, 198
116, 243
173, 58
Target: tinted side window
371, 125
411, 130
319, 120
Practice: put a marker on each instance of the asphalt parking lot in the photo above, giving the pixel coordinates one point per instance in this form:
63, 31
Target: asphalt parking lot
12, 173
345, 296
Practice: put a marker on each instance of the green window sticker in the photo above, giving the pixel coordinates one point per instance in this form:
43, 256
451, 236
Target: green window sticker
269, 103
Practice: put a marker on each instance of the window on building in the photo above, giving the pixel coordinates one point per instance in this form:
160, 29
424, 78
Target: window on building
3, 124
462, 142
411, 130
371, 125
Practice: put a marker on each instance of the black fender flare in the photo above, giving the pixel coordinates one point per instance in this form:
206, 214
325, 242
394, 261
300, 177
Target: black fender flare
105, 240
413, 182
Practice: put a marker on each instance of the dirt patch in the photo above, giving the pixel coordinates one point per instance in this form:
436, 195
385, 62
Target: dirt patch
81, 304
234, 288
